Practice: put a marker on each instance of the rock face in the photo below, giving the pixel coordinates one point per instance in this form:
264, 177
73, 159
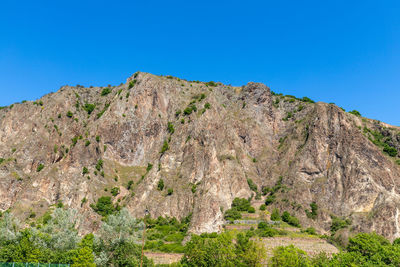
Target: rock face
219, 137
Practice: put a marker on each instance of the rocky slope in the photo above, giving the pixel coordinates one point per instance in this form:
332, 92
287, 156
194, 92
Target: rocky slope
204, 141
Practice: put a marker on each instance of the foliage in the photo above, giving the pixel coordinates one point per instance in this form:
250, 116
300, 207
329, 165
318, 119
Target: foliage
106, 106
232, 214
289, 256
89, 108
39, 167
251, 210
263, 207
99, 164
114, 191
160, 185
314, 211
222, 251
105, 91
164, 147
339, 223
85, 171
292, 220
275, 216
170, 191
241, 204
104, 206
132, 83
70, 114
170, 128
355, 112
252, 185
149, 167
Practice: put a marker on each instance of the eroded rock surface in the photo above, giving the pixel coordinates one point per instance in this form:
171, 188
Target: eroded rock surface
323, 154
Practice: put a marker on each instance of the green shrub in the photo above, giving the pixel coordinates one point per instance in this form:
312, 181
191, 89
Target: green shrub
263, 207
194, 188
160, 185
149, 167
99, 164
105, 91
104, 206
40, 167
165, 147
211, 83
251, 210
87, 143
355, 112
132, 83
314, 211
170, 128
311, 231
289, 256
170, 191
241, 204
70, 114
339, 223
89, 108
207, 105
106, 106
177, 113
97, 139
391, 151
275, 216
270, 199
85, 171
252, 185
232, 214
114, 191
129, 185
292, 220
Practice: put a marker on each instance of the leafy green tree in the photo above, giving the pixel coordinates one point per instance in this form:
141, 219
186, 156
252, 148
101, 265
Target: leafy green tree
275, 216
289, 256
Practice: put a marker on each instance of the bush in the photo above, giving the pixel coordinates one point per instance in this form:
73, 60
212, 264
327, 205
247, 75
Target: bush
275, 216
87, 143
40, 167
314, 211
339, 223
170, 128
129, 185
104, 206
85, 171
241, 204
165, 147
170, 191
99, 164
292, 220
132, 83
252, 185
97, 138
232, 214
270, 199
70, 114
355, 112
207, 105
105, 91
263, 207
391, 151
289, 256
89, 108
149, 167
115, 191
311, 231
251, 210
160, 185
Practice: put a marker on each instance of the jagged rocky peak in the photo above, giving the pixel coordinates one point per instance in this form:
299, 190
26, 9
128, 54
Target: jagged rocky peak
205, 143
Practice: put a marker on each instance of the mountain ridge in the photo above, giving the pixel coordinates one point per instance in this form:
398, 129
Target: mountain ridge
205, 141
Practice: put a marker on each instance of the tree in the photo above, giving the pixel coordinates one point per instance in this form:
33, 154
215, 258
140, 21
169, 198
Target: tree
275, 216
289, 256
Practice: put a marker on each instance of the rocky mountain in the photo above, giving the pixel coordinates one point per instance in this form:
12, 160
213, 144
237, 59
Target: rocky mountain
178, 147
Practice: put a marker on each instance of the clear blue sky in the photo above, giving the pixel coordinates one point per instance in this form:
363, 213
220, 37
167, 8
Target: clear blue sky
347, 52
